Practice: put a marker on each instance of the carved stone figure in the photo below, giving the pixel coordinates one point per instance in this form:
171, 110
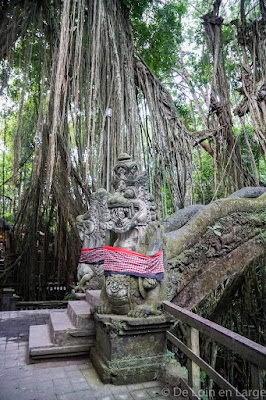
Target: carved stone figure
132, 296
134, 226
132, 208
92, 228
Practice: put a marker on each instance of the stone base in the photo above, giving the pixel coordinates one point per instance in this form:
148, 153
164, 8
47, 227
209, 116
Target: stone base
130, 350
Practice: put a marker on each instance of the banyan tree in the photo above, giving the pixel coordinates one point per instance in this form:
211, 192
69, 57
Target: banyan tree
76, 59
71, 61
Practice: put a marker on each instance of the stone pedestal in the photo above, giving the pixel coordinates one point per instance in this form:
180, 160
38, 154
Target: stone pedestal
130, 350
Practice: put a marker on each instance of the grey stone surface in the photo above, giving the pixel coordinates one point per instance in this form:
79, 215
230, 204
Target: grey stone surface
93, 297
60, 325
39, 336
140, 395
92, 228
80, 313
130, 350
181, 217
69, 332
123, 396
67, 379
248, 192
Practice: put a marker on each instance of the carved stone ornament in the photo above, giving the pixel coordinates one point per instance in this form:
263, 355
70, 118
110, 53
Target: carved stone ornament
129, 217
134, 227
92, 228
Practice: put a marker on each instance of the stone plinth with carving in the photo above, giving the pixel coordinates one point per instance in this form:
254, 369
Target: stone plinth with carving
130, 350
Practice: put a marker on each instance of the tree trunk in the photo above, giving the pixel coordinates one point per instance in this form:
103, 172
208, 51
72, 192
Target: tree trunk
233, 173
251, 38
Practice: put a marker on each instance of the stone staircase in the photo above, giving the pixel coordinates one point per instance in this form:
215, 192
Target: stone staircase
69, 332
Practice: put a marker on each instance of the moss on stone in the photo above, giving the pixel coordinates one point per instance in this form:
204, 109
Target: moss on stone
176, 242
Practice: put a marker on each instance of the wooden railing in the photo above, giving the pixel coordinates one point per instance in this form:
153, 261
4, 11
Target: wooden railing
251, 351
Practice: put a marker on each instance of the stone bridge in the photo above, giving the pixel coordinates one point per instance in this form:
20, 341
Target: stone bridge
213, 245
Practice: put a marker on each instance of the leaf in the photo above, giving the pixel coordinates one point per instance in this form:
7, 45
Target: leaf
217, 226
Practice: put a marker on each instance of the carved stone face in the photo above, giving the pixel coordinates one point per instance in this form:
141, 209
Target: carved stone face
121, 214
117, 289
129, 206
120, 217
121, 172
134, 169
129, 194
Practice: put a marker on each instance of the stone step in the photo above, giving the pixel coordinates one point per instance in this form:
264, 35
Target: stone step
93, 297
69, 332
80, 314
39, 336
64, 332
41, 345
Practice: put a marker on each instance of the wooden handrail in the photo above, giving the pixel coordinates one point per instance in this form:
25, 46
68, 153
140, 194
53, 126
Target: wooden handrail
252, 351
221, 382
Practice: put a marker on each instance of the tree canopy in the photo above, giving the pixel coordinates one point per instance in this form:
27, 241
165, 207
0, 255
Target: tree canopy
185, 81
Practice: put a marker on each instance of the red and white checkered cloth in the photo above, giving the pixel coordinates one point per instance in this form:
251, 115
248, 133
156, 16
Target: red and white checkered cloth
92, 256
123, 261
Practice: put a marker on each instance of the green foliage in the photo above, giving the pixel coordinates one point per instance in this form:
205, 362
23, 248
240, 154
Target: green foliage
137, 8
227, 34
262, 237
255, 148
263, 216
169, 203
262, 170
215, 229
69, 297
203, 376
202, 69
184, 111
159, 27
157, 33
9, 190
203, 179
171, 354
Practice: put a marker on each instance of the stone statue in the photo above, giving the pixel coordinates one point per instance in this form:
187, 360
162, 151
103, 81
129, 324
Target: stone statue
134, 227
92, 228
132, 296
131, 207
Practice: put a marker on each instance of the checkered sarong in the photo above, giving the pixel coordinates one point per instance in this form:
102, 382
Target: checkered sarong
123, 261
118, 260
92, 256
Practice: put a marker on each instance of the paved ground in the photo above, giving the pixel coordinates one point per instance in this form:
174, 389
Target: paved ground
69, 379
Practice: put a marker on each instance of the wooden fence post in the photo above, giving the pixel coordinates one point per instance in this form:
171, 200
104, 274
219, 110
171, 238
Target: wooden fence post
193, 368
256, 382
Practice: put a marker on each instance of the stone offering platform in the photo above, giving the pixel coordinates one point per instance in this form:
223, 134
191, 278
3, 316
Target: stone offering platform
69, 332
67, 379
